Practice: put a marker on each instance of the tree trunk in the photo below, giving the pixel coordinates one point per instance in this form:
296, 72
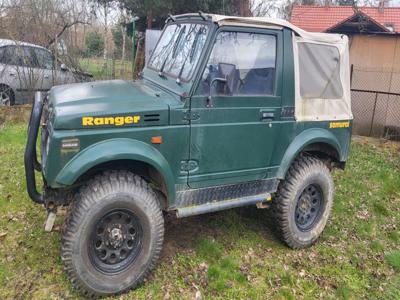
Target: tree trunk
149, 21
105, 34
123, 49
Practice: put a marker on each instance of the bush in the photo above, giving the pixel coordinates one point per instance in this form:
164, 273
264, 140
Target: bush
94, 43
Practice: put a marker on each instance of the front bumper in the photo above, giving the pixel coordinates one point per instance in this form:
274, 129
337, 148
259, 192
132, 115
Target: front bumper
30, 158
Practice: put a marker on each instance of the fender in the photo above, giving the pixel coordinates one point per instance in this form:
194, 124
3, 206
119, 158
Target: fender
307, 137
116, 149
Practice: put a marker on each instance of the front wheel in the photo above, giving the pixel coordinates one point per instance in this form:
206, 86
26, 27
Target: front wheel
303, 202
113, 235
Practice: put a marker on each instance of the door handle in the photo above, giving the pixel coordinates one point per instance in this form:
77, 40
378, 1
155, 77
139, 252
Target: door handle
267, 115
46, 76
12, 74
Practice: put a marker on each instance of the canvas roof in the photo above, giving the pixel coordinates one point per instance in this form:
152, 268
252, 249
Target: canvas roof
268, 23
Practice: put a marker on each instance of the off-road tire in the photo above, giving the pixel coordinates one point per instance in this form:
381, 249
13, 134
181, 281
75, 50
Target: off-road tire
305, 171
105, 193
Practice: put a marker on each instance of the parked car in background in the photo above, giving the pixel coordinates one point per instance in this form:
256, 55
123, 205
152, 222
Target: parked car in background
26, 68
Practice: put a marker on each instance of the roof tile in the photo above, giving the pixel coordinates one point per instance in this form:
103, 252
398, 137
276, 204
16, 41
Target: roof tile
320, 18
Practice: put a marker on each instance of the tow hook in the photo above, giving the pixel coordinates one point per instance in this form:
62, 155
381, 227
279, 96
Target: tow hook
51, 217
264, 204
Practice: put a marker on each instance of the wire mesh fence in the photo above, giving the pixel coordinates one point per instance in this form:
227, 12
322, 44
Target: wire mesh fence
375, 95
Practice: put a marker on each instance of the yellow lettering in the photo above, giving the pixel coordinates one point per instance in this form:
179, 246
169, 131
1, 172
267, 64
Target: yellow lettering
128, 120
119, 121
136, 119
87, 121
98, 121
339, 124
109, 121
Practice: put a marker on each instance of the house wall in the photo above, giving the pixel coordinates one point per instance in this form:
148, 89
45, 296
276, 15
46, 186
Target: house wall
376, 67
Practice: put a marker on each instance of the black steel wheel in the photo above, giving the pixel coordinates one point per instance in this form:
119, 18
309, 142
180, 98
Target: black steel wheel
309, 207
303, 202
116, 241
113, 235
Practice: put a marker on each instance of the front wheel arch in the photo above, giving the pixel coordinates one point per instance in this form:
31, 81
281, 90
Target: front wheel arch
120, 149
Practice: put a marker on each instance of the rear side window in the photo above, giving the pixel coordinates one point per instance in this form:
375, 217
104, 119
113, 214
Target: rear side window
44, 59
319, 68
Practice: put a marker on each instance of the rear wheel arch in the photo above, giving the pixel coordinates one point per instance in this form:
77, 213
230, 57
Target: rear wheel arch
317, 142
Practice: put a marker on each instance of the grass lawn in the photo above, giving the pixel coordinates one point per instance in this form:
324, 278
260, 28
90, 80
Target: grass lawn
231, 254
110, 70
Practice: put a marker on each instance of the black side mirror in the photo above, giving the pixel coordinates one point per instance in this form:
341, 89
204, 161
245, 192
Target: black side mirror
209, 99
226, 74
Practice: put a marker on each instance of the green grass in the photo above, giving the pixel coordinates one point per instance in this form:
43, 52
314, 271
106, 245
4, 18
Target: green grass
108, 70
231, 254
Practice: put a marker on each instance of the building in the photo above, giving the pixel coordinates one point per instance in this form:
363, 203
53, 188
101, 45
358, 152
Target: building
374, 41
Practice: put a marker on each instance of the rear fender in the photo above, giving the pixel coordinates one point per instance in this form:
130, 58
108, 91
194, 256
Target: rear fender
116, 149
307, 137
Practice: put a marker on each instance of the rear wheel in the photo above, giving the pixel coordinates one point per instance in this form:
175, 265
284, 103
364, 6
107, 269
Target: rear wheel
6, 96
113, 235
303, 202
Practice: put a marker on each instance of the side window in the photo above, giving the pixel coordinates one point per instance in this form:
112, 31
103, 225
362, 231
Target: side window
3, 59
21, 56
44, 59
253, 57
13, 56
319, 68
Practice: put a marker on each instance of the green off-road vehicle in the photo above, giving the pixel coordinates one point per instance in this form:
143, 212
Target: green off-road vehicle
228, 112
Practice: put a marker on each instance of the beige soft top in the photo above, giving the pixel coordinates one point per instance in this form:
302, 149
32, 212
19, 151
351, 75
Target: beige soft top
269, 23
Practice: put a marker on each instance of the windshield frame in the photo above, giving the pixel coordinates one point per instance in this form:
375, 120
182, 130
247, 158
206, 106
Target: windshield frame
195, 68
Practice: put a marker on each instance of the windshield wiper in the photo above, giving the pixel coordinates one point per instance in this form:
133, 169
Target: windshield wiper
189, 55
173, 49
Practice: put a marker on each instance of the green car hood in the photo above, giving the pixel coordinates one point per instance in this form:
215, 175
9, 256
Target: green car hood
114, 103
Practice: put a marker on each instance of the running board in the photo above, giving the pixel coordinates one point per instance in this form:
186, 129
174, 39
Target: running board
222, 205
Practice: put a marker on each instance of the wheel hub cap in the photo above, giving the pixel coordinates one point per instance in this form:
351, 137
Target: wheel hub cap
115, 238
309, 207
116, 241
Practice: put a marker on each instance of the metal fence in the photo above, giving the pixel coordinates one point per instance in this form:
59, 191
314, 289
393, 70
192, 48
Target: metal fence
375, 97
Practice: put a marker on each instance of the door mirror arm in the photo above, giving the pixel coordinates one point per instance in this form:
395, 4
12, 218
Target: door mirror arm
63, 67
209, 98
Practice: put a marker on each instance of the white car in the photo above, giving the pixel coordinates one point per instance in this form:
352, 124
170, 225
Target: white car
26, 68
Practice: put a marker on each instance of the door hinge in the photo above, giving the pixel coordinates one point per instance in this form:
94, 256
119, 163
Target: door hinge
191, 115
189, 165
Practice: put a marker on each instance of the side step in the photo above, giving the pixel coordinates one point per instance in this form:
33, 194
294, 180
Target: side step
222, 205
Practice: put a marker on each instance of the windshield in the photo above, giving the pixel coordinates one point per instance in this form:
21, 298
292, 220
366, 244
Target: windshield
179, 48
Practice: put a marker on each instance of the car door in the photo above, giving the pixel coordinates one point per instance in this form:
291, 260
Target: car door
19, 70
232, 138
43, 69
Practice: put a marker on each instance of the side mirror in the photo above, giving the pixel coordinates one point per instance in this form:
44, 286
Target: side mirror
226, 75
209, 99
63, 67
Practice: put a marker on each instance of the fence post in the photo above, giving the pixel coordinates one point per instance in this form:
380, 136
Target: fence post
373, 114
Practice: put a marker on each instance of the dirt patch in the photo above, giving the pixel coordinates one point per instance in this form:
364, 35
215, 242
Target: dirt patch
15, 114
